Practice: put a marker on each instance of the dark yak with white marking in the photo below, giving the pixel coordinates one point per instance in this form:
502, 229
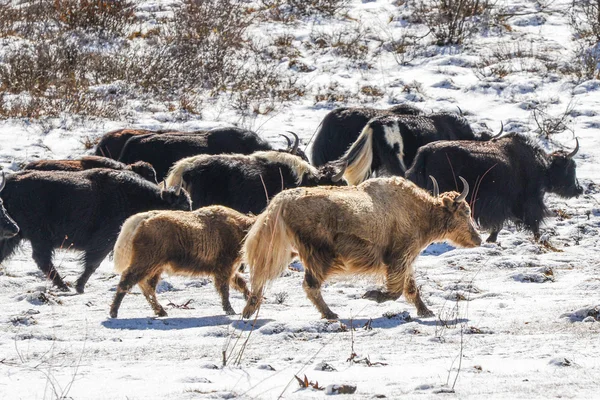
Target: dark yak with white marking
80, 211
341, 127
164, 150
509, 177
141, 168
388, 145
240, 181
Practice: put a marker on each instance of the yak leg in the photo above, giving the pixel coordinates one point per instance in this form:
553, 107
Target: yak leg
238, 282
92, 262
129, 278
533, 214
148, 287
43, 259
312, 287
493, 236
395, 277
411, 293
222, 286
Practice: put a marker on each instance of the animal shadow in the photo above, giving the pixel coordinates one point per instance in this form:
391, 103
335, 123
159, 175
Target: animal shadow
176, 323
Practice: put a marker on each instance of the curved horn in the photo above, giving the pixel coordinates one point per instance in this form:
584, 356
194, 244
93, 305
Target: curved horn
337, 177
289, 141
497, 135
436, 188
2, 181
570, 155
459, 111
465, 191
296, 142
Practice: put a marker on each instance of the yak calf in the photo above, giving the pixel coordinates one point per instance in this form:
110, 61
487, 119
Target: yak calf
377, 227
203, 242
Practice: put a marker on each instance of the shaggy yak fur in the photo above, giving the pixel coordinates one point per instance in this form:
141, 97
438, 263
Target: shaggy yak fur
341, 127
142, 168
388, 145
377, 227
202, 242
240, 181
80, 211
164, 150
509, 176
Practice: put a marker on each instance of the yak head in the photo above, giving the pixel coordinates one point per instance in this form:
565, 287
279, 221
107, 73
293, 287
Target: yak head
177, 197
560, 175
8, 227
329, 174
457, 224
293, 147
145, 170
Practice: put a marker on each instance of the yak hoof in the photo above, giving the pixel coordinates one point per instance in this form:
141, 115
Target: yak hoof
63, 287
113, 314
375, 295
80, 289
230, 312
161, 313
426, 313
330, 315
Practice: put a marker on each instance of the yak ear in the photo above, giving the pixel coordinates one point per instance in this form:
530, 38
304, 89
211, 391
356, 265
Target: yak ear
448, 203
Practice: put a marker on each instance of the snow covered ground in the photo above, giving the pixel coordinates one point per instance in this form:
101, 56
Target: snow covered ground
514, 320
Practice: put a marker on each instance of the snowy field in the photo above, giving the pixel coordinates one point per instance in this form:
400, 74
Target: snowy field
516, 319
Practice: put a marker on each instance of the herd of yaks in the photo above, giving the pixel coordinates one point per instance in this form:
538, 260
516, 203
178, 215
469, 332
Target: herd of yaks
264, 207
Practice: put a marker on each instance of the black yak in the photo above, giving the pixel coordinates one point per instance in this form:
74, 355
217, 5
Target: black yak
509, 176
80, 211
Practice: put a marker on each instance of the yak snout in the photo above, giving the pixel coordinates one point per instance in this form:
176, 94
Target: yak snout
8, 228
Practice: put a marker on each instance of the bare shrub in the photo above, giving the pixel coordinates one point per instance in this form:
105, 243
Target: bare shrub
516, 57
548, 124
291, 10
453, 21
585, 63
584, 19
101, 16
333, 93
350, 42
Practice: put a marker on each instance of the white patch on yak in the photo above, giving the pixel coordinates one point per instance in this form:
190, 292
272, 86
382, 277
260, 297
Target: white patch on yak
392, 136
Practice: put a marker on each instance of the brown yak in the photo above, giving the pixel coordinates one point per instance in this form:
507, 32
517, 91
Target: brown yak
377, 227
206, 241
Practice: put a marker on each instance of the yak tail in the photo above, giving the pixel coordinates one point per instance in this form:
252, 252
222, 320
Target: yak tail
417, 173
268, 251
124, 245
359, 157
175, 177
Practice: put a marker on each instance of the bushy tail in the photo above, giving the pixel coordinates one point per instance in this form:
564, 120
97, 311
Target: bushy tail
124, 244
175, 177
360, 157
268, 251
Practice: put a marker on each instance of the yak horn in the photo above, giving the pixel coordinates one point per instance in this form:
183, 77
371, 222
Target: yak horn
497, 135
459, 111
465, 191
296, 142
289, 141
2, 181
337, 177
570, 155
436, 188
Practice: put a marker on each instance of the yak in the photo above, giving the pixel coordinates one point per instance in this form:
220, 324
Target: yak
387, 145
164, 150
378, 227
8, 226
246, 182
206, 241
80, 211
510, 176
142, 168
341, 127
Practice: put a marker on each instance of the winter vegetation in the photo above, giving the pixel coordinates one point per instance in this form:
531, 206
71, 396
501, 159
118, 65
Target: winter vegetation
514, 318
